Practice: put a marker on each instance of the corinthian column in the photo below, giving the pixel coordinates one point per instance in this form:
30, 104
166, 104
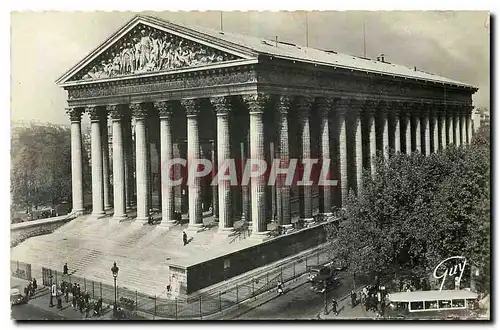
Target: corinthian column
325, 106
119, 181
456, 127
442, 129
105, 160
427, 135
256, 104
342, 131
304, 109
141, 161
406, 118
418, 132
384, 128
96, 154
449, 126
397, 128
469, 125
75, 115
435, 132
222, 106
166, 155
358, 145
463, 127
373, 140
193, 154
284, 105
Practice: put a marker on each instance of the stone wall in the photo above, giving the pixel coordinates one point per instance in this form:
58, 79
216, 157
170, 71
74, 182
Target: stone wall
210, 272
21, 231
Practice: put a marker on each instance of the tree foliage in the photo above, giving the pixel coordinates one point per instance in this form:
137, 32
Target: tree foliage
417, 211
41, 166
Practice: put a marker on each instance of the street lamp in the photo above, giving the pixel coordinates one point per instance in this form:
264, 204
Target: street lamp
326, 301
114, 270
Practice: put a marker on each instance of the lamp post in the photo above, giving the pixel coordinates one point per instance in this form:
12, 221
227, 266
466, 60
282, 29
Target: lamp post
114, 270
326, 301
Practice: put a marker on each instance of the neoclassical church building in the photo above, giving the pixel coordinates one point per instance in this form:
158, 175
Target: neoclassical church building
195, 93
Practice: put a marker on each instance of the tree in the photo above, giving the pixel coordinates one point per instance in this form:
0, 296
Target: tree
417, 211
41, 166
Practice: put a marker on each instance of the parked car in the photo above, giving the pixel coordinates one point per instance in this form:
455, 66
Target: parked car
318, 284
16, 297
314, 271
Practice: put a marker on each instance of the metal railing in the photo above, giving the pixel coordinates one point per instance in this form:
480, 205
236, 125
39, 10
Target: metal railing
176, 308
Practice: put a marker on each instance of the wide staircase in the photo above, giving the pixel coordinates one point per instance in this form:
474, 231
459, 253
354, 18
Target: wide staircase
90, 246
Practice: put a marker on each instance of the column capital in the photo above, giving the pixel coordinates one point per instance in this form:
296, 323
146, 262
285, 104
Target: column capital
256, 102
222, 104
94, 113
324, 104
191, 106
75, 114
138, 110
115, 112
344, 104
304, 103
284, 103
165, 108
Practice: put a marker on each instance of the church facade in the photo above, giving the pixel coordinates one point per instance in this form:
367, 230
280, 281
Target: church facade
193, 93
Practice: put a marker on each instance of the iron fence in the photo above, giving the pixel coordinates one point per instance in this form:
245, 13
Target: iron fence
175, 308
20, 269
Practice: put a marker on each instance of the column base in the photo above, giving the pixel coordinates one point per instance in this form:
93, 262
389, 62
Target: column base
119, 218
260, 237
77, 213
167, 224
195, 228
140, 221
225, 232
98, 215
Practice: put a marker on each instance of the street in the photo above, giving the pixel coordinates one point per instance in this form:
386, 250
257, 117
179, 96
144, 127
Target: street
28, 312
300, 303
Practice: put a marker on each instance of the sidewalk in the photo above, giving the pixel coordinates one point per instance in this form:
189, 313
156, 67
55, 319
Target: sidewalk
41, 300
345, 311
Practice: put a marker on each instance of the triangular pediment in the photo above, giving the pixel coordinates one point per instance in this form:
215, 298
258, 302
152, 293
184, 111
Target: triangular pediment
149, 45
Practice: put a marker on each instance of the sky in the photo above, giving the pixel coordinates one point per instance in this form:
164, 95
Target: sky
451, 44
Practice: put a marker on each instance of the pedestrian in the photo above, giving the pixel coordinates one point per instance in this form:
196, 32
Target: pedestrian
35, 286
53, 294
81, 304
87, 309
73, 301
184, 238
78, 290
86, 297
353, 299
26, 293
280, 288
59, 301
66, 291
73, 290
334, 307
65, 269
30, 290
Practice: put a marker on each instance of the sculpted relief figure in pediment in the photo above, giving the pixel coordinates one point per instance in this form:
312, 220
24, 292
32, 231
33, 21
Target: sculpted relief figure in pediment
146, 49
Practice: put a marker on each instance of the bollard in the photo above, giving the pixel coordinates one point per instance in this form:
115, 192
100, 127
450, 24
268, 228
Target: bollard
220, 301
176, 308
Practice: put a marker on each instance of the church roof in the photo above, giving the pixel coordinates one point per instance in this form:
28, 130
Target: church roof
248, 47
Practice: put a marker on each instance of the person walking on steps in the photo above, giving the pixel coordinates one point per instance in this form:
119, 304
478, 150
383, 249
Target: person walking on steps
53, 294
65, 269
184, 238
